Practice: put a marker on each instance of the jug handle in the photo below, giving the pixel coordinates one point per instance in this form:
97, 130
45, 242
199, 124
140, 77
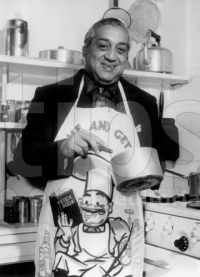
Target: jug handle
147, 58
23, 29
156, 36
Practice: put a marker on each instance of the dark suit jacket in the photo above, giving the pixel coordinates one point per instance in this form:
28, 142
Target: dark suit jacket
37, 155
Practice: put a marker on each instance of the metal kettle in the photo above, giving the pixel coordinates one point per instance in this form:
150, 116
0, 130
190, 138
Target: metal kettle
16, 37
154, 57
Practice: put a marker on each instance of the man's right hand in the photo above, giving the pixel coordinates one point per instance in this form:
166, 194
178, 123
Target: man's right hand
80, 143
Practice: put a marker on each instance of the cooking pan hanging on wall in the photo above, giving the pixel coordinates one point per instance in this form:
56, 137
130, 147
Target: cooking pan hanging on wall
170, 136
119, 13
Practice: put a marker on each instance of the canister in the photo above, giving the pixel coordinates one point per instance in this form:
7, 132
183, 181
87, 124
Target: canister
16, 37
35, 208
23, 209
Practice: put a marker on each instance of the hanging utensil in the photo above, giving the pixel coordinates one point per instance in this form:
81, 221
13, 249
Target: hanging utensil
170, 135
193, 181
119, 13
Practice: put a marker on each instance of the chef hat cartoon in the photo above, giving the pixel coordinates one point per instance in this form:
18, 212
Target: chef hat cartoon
99, 180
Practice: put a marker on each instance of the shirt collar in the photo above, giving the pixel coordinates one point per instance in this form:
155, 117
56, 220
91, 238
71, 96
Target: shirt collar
90, 85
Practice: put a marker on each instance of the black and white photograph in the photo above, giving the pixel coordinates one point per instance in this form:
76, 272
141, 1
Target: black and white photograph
99, 138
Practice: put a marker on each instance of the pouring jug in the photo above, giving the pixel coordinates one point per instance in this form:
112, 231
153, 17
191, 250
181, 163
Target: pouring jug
16, 37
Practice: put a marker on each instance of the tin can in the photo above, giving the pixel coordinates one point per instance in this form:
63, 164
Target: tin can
23, 209
35, 208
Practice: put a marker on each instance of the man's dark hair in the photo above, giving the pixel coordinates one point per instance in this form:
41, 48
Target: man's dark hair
91, 34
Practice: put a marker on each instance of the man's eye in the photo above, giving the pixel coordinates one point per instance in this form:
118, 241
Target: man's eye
86, 202
98, 203
103, 46
122, 50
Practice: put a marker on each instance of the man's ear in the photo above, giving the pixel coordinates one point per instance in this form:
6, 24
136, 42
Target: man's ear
84, 51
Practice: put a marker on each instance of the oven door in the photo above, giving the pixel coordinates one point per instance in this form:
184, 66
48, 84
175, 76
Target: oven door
181, 265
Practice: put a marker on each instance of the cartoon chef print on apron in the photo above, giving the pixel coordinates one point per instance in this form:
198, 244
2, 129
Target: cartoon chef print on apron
87, 228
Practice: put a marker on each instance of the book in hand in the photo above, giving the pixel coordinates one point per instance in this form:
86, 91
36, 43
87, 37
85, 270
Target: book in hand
65, 203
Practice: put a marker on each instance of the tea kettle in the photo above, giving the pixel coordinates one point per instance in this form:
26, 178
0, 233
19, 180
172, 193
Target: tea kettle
154, 57
16, 37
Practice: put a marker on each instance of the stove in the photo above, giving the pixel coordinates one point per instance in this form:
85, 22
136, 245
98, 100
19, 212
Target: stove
172, 233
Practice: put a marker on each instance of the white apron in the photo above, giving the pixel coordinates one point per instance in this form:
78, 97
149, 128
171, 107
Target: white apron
105, 236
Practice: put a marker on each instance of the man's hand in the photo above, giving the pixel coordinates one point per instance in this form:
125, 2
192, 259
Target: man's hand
81, 142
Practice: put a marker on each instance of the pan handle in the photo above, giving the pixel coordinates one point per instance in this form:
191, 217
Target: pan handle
161, 105
115, 3
176, 173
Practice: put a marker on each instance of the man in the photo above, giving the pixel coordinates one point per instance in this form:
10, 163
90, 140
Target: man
80, 115
104, 65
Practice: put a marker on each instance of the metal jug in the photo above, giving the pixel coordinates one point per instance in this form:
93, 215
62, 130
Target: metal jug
16, 39
154, 58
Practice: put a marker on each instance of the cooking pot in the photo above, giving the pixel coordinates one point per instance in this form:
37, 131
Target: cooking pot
63, 55
193, 181
136, 170
16, 37
154, 57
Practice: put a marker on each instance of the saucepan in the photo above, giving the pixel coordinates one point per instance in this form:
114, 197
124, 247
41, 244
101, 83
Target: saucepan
136, 170
63, 55
193, 181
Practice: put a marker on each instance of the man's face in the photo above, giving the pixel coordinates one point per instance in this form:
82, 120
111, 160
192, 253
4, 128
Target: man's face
106, 57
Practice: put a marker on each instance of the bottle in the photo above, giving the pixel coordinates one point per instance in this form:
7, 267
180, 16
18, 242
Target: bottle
47, 253
42, 272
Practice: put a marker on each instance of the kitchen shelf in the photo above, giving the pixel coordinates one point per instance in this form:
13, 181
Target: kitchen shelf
17, 228
171, 79
11, 125
4, 59
129, 73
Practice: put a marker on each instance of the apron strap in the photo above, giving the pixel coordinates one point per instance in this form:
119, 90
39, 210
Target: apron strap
124, 99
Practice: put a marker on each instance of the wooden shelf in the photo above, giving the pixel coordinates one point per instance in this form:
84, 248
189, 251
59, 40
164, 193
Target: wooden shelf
129, 73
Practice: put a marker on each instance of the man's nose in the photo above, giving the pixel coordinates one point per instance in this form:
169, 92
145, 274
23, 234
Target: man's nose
111, 54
